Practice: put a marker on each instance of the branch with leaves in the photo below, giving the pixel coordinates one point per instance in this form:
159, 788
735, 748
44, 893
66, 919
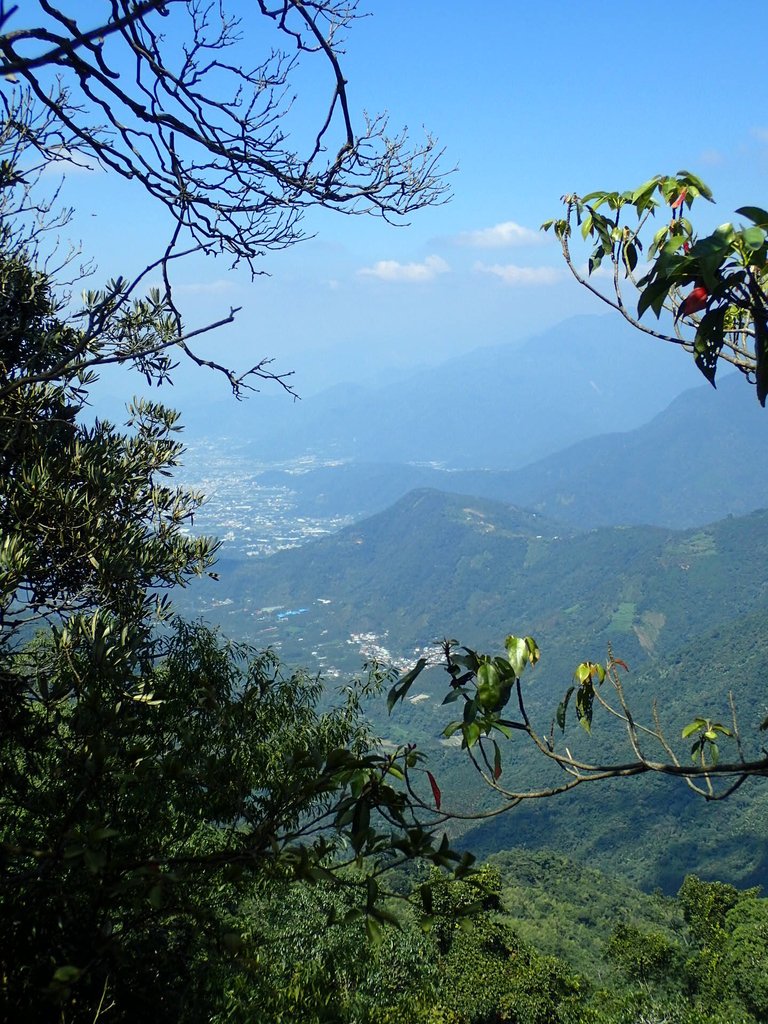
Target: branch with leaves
489, 690
714, 286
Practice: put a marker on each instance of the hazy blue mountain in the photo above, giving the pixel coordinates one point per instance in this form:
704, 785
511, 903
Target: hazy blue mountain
364, 488
498, 407
704, 457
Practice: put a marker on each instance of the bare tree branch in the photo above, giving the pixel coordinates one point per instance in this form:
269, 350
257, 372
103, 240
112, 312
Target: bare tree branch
208, 137
166, 93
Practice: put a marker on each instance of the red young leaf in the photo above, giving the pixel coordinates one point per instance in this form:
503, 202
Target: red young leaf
694, 302
435, 789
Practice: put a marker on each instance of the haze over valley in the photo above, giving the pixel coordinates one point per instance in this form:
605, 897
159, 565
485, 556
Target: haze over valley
629, 538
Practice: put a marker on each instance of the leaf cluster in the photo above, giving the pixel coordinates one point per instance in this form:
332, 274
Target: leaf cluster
150, 771
727, 267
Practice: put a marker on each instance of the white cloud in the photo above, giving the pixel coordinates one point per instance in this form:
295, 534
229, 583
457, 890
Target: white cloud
61, 161
761, 134
206, 287
711, 157
501, 236
391, 270
511, 274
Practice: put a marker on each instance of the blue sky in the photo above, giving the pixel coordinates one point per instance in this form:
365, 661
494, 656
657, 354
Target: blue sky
530, 100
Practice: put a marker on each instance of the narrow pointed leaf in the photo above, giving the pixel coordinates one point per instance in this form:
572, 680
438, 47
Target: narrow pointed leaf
435, 790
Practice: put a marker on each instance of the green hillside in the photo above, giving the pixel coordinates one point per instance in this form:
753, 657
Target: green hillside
567, 909
436, 564
685, 609
654, 831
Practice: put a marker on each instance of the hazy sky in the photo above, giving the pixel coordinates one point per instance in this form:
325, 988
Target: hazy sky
530, 100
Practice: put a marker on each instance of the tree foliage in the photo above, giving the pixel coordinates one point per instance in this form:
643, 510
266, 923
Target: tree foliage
495, 693
151, 773
459, 960
724, 316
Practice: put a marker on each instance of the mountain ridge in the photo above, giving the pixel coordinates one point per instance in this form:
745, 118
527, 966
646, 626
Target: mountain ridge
698, 460
497, 407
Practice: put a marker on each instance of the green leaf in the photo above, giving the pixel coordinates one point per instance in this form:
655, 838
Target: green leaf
361, 821
643, 194
692, 727
374, 931
471, 734
754, 238
694, 182
653, 296
658, 240
709, 341
630, 256
403, 685
521, 651
584, 701
382, 914
583, 672
65, 975
754, 213
453, 695
488, 685
470, 711
563, 707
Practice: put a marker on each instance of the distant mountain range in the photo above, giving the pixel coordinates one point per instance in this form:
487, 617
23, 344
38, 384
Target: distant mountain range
498, 407
643, 537
703, 457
